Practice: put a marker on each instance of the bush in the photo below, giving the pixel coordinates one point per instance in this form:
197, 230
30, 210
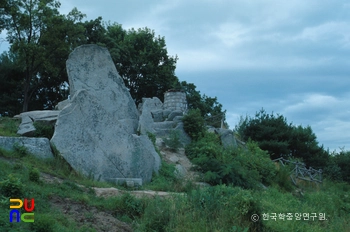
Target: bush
173, 142
343, 160
283, 178
166, 179
20, 150
131, 206
240, 167
43, 129
34, 175
152, 137
221, 201
194, 124
12, 187
157, 216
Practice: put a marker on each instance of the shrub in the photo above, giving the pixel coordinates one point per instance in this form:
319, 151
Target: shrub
43, 129
34, 175
12, 187
343, 160
237, 166
131, 206
194, 124
173, 142
221, 201
283, 178
166, 179
157, 216
20, 150
152, 137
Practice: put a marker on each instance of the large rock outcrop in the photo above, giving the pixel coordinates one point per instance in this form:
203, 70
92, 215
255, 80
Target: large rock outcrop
96, 131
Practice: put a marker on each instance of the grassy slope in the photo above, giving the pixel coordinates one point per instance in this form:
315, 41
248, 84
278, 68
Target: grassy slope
218, 208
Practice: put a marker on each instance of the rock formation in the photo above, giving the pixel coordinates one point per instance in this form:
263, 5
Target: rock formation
96, 131
39, 147
28, 118
161, 120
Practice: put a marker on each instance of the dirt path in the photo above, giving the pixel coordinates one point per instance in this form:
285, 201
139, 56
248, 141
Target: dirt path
90, 217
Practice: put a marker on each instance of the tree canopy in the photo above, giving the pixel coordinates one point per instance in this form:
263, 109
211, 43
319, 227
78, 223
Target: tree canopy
210, 109
34, 73
140, 56
279, 138
40, 38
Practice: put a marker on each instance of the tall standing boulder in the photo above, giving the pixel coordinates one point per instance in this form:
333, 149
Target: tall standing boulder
96, 131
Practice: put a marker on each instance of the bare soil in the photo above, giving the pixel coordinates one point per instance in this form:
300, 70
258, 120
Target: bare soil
89, 217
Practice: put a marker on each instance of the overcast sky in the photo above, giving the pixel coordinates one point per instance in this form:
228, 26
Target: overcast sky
288, 57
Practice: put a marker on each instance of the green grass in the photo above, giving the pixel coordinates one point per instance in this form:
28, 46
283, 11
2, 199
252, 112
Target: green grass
9, 126
220, 208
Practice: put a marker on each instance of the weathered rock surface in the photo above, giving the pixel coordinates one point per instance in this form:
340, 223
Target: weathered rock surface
175, 113
161, 121
39, 147
62, 104
96, 131
146, 122
226, 136
26, 128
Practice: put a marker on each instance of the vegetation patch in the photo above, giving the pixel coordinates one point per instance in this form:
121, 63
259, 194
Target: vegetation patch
9, 126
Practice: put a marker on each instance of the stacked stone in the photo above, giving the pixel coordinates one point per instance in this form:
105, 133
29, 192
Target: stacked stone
175, 101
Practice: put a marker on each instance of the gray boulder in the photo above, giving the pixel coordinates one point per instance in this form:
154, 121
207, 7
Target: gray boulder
174, 114
146, 122
157, 115
166, 113
96, 131
26, 128
184, 138
227, 138
39, 147
178, 119
62, 104
180, 171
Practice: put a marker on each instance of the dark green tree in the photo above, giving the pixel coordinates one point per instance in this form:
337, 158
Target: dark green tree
10, 90
342, 160
274, 135
142, 61
303, 144
95, 32
210, 109
194, 124
41, 39
272, 132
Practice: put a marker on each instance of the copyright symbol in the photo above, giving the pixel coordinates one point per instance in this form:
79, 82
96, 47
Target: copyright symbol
254, 217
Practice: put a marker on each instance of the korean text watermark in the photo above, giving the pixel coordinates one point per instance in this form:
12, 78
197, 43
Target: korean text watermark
290, 217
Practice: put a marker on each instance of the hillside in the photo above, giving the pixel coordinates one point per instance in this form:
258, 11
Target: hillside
67, 201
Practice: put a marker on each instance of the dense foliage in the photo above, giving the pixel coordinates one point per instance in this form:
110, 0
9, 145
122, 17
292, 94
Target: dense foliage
210, 109
33, 73
40, 40
279, 138
194, 124
241, 167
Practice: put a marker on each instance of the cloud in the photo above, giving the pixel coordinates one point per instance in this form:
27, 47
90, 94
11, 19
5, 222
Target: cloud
310, 102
